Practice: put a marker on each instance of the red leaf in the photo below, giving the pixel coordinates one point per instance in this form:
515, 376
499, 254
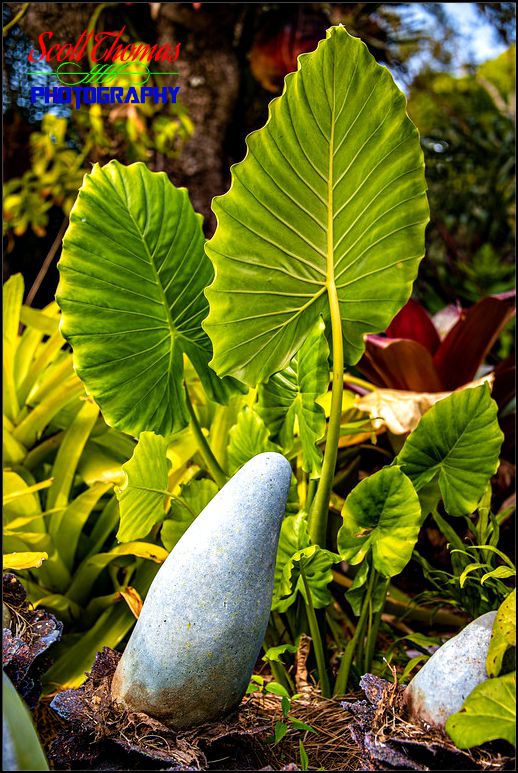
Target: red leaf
399, 364
469, 341
413, 323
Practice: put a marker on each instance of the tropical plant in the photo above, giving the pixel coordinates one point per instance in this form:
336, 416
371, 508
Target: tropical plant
467, 124
61, 461
302, 266
436, 354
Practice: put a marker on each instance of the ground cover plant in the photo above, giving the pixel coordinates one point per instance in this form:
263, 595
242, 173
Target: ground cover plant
202, 355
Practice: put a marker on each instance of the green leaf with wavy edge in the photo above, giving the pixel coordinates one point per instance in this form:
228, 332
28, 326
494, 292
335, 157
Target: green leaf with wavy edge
132, 276
142, 496
488, 713
503, 634
249, 437
294, 547
273, 654
331, 193
194, 497
290, 396
457, 442
382, 514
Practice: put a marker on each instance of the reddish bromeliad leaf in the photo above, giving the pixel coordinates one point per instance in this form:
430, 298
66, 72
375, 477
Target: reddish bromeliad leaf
411, 354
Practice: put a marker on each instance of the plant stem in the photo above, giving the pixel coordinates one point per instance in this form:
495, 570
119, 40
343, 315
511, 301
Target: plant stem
374, 628
21, 13
320, 509
317, 639
205, 450
56, 244
312, 487
347, 659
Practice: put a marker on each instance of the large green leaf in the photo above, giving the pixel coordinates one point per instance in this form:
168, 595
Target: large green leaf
458, 443
488, 713
330, 193
290, 396
133, 271
21, 748
142, 496
381, 513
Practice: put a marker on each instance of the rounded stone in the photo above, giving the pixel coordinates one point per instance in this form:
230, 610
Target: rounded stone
448, 677
198, 636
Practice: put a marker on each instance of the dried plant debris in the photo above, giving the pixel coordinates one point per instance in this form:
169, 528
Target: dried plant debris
27, 635
388, 742
96, 726
101, 734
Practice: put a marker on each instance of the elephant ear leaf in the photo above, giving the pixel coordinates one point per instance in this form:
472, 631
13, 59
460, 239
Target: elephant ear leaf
132, 276
329, 201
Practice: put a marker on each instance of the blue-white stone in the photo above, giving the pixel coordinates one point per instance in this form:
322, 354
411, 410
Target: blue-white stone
193, 649
449, 676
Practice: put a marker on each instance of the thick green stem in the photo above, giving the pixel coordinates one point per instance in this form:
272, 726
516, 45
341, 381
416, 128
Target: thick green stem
205, 450
347, 659
320, 508
317, 639
311, 490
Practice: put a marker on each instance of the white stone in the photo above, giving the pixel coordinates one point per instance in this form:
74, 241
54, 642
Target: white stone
193, 649
448, 677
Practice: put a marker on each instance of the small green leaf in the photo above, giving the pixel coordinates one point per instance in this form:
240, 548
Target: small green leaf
412, 663
503, 635
294, 546
382, 513
488, 713
469, 568
289, 399
304, 760
280, 731
298, 725
273, 654
248, 437
194, 497
142, 497
277, 689
458, 443
501, 573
